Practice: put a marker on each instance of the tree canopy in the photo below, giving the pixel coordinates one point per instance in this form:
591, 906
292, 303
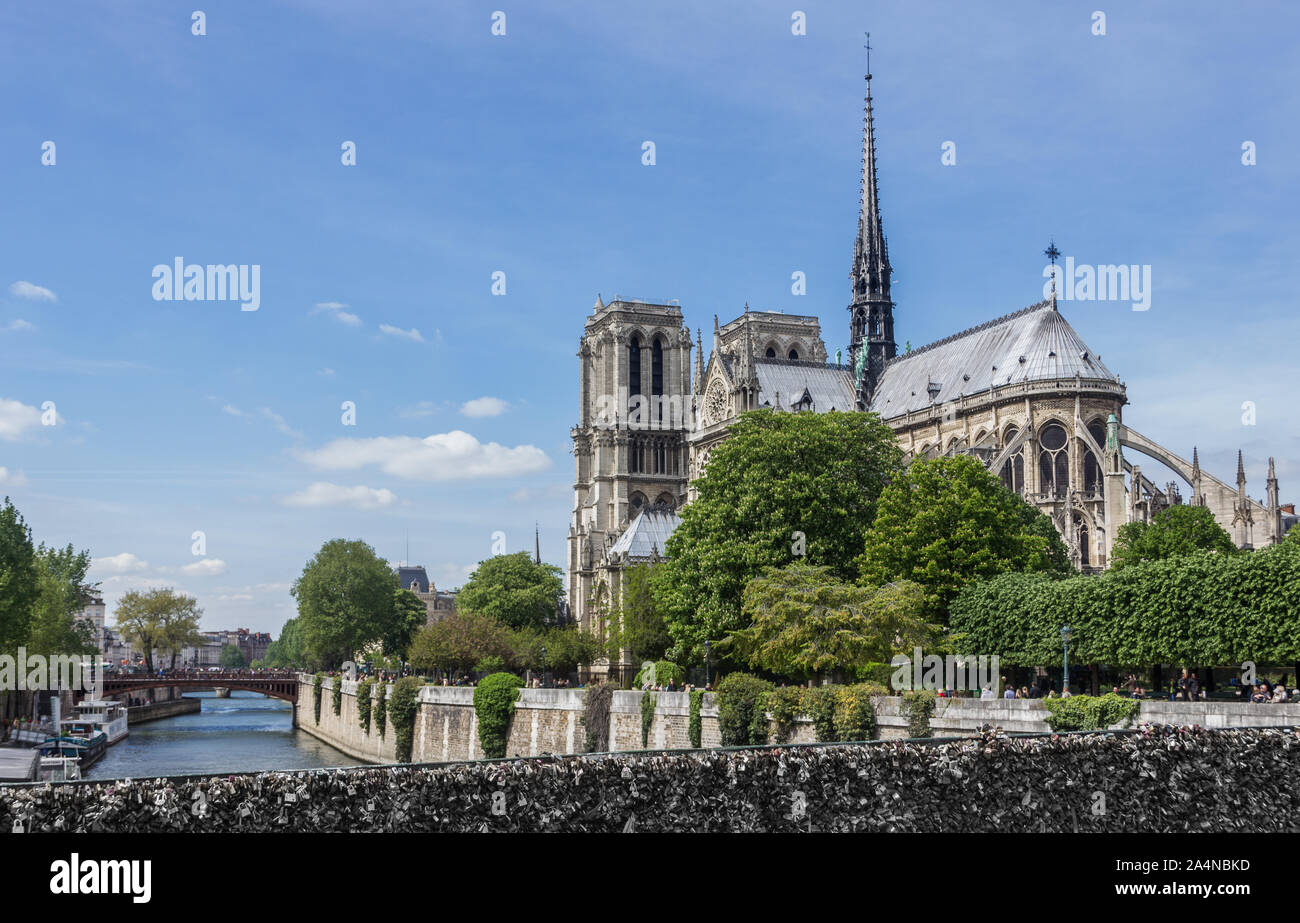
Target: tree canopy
514, 590
804, 622
783, 487
460, 641
19, 578
159, 619
946, 522
640, 627
55, 628
287, 651
1177, 530
345, 601
231, 657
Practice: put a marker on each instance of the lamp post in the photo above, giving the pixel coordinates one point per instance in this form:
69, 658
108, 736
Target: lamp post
1065, 677
706, 664
543, 666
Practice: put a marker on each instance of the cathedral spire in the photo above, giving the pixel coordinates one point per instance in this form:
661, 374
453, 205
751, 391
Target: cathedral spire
871, 324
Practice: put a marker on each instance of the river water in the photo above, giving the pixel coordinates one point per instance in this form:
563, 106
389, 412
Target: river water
246, 732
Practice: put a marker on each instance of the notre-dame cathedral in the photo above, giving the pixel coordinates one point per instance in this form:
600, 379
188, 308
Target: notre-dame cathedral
1022, 392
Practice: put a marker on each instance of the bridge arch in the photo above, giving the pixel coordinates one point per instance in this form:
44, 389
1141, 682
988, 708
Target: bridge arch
277, 687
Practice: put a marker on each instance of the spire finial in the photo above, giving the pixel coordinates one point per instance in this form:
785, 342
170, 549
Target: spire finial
537, 547
868, 47
1241, 470
1052, 253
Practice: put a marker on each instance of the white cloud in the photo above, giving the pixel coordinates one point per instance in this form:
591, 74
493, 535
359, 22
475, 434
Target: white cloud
484, 407
20, 324
207, 567
31, 292
17, 479
267, 414
335, 308
453, 456
412, 334
233, 411
124, 563
326, 372
324, 494
16, 418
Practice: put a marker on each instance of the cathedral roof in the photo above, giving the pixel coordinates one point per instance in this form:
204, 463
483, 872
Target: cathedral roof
1034, 344
646, 536
829, 387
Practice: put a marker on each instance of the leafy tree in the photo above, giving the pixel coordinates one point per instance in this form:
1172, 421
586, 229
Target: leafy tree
345, 601
805, 622
946, 522
640, 629
231, 657
460, 641
1178, 530
55, 628
287, 651
19, 579
409, 616
784, 486
158, 619
513, 590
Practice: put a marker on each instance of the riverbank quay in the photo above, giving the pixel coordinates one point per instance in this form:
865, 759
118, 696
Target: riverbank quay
1152, 779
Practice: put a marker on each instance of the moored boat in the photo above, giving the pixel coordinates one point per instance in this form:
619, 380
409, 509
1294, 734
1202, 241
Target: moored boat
97, 715
86, 750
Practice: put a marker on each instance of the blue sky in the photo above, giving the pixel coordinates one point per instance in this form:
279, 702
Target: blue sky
522, 153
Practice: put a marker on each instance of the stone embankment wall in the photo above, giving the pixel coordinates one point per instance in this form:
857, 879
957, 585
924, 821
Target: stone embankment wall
550, 721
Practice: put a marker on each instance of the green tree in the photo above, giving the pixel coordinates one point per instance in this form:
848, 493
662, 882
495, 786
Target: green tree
784, 486
804, 622
460, 641
946, 522
345, 601
1178, 530
19, 579
640, 628
287, 651
409, 616
159, 619
55, 628
512, 589
565, 649
231, 657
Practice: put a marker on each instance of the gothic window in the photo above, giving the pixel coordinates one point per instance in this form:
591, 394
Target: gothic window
665, 503
634, 370
657, 379
794, 354
771, 352
1091, 465
1013, 470
1081, 530
635, 504
1054, 461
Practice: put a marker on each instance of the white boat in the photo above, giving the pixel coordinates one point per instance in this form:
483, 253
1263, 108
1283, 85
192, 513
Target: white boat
94, 715
60, 769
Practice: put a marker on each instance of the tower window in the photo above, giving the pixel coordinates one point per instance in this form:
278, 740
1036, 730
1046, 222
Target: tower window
794, 354
771, 353
634, 370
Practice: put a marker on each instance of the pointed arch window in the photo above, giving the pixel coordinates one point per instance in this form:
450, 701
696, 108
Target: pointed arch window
1091, 464
634, 371
1013, 469
1054, 461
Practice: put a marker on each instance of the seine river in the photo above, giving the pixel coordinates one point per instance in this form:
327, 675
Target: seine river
246, 732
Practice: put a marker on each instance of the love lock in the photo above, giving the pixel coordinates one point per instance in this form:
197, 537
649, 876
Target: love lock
18, 826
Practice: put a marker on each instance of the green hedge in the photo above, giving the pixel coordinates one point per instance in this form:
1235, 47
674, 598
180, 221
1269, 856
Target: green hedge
381, 709
1088, 712
494, 703
665, 671
365, 689
918, 706
402, 708
1201, 608
785, 704
695, 725
336, 700
647, 718
855, 713
317, 682
741, 716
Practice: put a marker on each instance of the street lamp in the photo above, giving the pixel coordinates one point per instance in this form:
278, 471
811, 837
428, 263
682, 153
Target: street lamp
543, 666
1065, 677
706, 664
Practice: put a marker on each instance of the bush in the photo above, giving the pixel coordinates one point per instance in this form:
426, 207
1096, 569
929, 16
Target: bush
881, 673
665, 671
647, 718
596, 700
494, 703
365, 688
317, 682
1089, 712
918, 706
381, 709
695, 726
785, 703
336, 700
819, 705
855, 714
741, 716
402, 708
